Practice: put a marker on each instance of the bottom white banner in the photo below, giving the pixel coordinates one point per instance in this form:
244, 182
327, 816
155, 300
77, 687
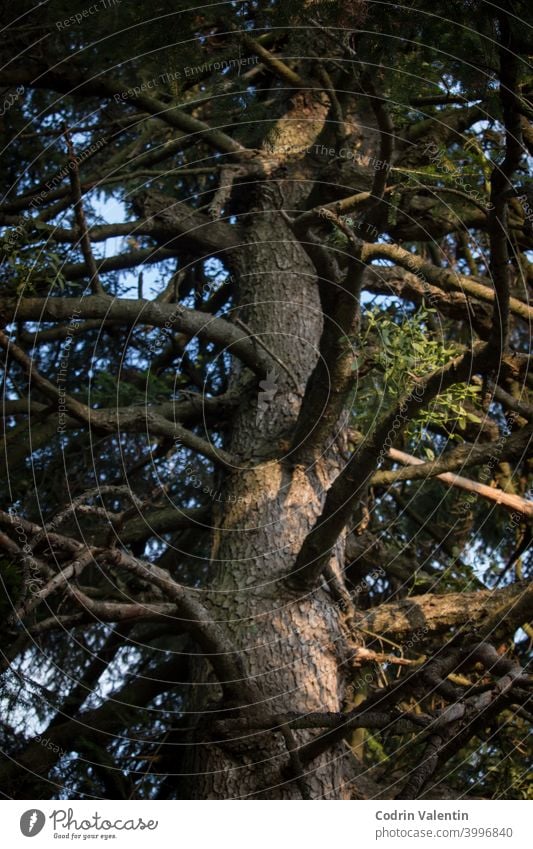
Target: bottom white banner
256, 825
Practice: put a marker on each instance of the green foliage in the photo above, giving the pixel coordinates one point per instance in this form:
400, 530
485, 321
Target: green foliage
107, 390
406, 351
22, 266
466, 168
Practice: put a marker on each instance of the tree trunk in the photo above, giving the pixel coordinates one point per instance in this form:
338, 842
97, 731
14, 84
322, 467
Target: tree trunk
293, 645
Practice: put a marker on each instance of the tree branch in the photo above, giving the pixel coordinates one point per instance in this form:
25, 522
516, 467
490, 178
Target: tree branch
500, 184
273, 63
193, 616
406, 285
96, 285
448, 281
135, 312
74, 83
461, 458
507, 608
346, 490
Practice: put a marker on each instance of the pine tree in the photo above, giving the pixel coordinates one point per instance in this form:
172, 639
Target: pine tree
265, 316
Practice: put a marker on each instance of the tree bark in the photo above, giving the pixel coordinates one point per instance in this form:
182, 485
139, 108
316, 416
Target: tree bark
293, 646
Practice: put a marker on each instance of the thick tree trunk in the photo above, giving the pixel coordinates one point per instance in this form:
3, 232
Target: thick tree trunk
292, 646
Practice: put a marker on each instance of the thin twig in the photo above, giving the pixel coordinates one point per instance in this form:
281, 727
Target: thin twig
85, 242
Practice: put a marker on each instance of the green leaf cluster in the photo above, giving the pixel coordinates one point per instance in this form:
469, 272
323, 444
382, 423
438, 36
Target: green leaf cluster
406, 352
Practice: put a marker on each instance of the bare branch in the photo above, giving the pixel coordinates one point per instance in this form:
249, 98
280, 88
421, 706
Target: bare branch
449, 281
96, 285
273, 63
80, 411
460, 458
134, 312
508, 608
75, 83
500, 184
